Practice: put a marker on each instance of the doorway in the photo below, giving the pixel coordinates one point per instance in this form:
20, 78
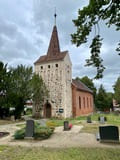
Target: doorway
47, 110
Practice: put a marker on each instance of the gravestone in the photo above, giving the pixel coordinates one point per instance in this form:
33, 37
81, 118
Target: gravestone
109, 133
89, 119
29, 129
66, 125
102, 119
12, 118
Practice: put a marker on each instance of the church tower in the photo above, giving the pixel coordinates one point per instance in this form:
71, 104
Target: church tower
56, 70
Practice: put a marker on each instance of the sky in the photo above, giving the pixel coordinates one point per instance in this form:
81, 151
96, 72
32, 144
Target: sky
25, 31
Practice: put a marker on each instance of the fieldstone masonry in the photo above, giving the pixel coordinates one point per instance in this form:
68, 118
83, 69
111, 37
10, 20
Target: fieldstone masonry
55, 69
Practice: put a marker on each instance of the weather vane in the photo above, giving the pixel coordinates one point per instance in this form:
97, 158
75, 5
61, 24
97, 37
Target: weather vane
55, 15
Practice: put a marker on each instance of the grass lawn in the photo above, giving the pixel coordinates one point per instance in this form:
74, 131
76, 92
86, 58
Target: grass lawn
90, 128
24, 153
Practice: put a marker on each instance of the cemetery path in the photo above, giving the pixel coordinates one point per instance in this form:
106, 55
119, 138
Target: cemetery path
60, 139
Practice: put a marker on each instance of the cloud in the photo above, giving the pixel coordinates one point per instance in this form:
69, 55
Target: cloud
25, 30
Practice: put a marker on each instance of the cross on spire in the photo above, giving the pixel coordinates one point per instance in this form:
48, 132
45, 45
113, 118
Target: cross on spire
55, 15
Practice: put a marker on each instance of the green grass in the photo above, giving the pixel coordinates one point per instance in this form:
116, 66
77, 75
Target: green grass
89, 128
37, 153
111, 119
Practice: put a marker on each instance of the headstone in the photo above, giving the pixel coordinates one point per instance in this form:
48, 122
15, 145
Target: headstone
66, 125
109, 133
89, 119
12, 118
102, 119
29, 129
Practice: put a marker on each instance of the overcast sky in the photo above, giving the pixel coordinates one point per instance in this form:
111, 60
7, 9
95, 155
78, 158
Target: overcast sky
25, 30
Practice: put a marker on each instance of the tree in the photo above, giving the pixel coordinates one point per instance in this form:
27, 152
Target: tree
20, 89
89, 17
101, 101
4, 86
39, 94
117, 90
109, 100
88, 82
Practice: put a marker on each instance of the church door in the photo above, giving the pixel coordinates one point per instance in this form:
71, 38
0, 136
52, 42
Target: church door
47, 111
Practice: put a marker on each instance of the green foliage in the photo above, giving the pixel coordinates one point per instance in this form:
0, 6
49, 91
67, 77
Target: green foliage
104, 100
89, 17
20, 134
39, 91
17, 86
88, 82
4, 87
51, 125
95, 59
41, 153
109, 99
20, 89
101, 99
117, 90
41, 132
29, 111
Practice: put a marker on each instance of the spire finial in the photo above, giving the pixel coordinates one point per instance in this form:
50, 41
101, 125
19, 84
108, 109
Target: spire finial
55, 15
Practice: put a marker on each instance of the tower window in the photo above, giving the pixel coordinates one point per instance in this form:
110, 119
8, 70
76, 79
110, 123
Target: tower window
56, 65
48, 66
41, 67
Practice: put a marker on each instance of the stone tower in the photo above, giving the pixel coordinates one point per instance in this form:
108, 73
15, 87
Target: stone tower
56, 70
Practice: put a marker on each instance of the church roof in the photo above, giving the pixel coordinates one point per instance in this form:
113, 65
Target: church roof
46, 58
53, 52
81, 86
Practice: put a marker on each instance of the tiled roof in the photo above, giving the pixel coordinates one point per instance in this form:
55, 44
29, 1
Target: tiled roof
54, 47
46, 58
81, 86
53, 52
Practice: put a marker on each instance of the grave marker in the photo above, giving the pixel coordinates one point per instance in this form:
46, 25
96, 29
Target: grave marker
109, 133
29, 129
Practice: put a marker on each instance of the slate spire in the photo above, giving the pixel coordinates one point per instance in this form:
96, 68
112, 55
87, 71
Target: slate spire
54, 48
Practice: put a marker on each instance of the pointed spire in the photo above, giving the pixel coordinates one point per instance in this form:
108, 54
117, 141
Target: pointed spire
54, 47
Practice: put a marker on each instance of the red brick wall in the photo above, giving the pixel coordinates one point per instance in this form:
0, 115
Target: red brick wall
82, 102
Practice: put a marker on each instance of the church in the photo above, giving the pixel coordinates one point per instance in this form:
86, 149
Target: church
67, 97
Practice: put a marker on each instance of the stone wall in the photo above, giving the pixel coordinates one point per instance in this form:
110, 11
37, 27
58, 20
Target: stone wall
57, 76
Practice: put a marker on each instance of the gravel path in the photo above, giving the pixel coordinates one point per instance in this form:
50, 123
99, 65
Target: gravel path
59, 139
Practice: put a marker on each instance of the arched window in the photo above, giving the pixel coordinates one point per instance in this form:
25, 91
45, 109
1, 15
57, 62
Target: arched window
79, 102
84, 101
90, 102
87, 102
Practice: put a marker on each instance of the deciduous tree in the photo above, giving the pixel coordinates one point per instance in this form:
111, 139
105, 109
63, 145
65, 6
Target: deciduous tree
88, 19
117, 90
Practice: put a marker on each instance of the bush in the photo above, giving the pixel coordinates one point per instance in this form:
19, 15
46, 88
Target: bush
52, 125
28, 111
41, 132
20, 134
